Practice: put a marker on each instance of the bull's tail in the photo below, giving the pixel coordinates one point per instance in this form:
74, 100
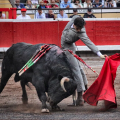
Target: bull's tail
6, 70
5, 77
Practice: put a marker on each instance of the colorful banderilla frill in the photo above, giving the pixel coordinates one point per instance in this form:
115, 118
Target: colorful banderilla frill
37, 55
82, 61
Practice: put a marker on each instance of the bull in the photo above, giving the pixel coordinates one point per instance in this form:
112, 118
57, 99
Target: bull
51, 74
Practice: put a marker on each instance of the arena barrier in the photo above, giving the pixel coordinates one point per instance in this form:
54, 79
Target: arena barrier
10, 13
105, 33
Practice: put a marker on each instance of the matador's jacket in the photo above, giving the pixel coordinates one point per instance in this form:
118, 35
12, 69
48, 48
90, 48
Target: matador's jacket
68, 39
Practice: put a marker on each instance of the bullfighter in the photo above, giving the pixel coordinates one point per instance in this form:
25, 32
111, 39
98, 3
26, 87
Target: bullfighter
75, 30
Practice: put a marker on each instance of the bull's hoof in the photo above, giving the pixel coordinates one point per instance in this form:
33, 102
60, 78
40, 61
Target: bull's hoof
57, 108
45, 110
25, 101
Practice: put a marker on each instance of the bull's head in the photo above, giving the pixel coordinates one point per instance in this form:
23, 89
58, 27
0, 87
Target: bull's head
64, 87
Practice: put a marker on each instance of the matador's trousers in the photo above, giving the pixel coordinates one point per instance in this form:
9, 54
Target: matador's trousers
78, 72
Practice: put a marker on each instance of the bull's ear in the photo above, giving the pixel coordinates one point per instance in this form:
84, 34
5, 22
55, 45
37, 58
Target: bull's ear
60, 77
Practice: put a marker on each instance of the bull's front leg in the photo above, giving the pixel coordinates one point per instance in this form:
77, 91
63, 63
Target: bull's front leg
43, 99
40, 88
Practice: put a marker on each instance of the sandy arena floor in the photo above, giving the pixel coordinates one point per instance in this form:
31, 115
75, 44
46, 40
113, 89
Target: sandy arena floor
11, 106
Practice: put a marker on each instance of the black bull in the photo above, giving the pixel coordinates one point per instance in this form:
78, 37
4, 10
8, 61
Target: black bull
51, 74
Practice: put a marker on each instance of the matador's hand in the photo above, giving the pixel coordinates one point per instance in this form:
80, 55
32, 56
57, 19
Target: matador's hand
103, 56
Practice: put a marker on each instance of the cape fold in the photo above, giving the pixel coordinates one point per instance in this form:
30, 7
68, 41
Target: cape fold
103, 87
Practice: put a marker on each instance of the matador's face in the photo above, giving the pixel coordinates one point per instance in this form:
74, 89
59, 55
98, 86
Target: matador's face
76, 28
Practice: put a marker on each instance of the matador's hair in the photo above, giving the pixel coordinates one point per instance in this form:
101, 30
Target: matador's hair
79, 22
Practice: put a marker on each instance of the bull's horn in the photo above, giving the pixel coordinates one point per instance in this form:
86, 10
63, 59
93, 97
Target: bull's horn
65, 79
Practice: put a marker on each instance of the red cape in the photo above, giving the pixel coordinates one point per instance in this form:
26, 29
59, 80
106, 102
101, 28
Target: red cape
103, 87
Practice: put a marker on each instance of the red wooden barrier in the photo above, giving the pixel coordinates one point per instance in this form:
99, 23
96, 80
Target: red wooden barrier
5, 10
6, 34
36, 32
11, 12
100, 32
